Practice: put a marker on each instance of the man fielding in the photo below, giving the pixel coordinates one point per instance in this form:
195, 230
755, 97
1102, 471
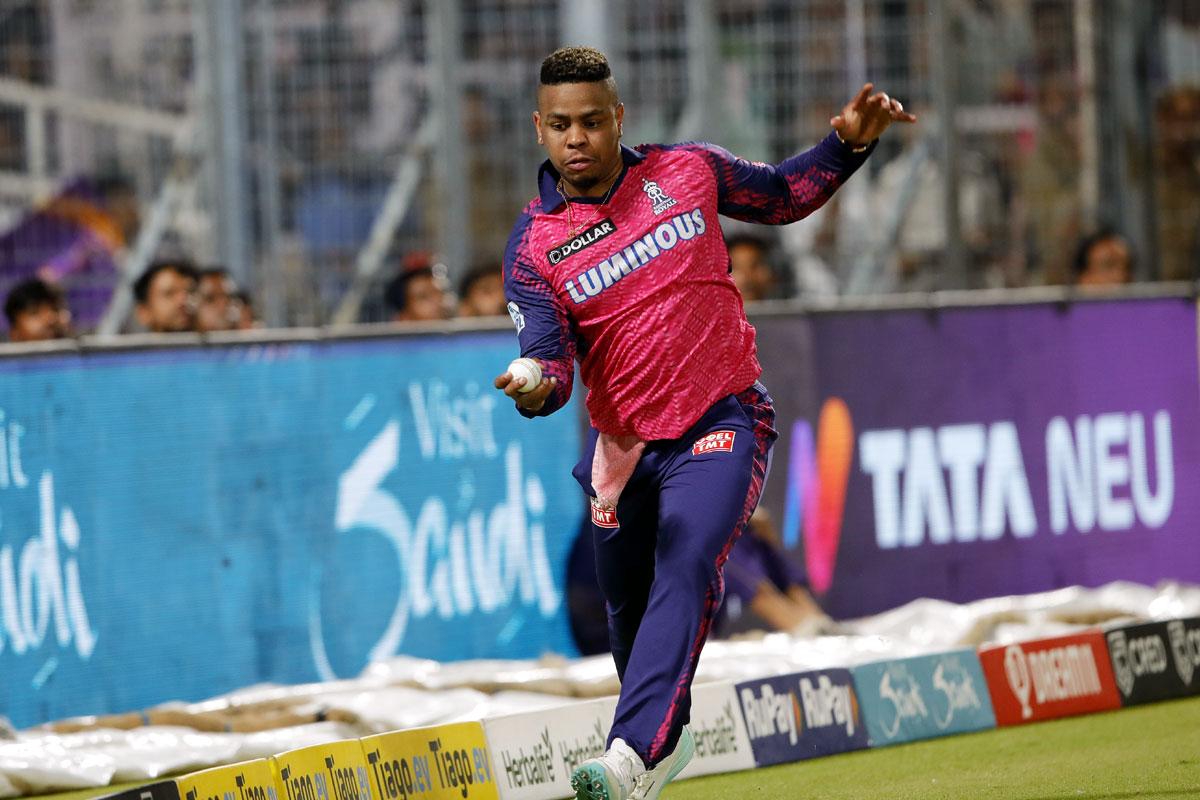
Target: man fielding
620, 263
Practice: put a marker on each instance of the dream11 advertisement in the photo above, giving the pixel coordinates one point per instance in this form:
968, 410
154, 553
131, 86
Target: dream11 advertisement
972, 453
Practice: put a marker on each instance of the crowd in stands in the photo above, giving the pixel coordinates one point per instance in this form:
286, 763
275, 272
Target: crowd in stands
174, 296
1102, 260
420, 292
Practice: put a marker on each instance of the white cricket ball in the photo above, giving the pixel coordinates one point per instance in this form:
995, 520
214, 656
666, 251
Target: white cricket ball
528, 369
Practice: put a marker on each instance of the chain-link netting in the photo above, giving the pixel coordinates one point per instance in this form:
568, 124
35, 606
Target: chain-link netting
125, 134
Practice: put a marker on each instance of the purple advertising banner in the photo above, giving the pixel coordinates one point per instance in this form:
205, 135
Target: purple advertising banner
976, 452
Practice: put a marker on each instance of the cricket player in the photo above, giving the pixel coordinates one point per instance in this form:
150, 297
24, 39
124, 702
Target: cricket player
619, 263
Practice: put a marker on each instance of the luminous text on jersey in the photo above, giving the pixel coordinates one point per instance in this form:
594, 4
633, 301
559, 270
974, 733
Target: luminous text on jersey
660, 239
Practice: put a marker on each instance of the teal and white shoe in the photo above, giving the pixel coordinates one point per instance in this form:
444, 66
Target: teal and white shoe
652, 781
612, 776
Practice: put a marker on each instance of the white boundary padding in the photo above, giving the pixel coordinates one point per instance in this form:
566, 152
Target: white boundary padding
722, 744
534, 754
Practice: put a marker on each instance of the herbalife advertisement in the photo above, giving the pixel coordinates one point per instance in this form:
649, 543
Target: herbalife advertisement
970, 453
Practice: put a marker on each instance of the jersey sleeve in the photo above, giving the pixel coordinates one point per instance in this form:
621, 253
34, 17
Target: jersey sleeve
543, 327
777, 194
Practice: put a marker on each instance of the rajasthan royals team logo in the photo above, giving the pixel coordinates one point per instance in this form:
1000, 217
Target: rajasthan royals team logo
657, 196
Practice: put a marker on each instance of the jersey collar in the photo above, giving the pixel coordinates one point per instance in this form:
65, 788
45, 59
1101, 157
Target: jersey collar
548, 179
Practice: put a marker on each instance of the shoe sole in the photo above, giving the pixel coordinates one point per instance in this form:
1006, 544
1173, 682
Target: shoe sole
590, 782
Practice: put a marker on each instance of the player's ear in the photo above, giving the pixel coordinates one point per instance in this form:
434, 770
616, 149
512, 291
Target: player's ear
537, 126
620, 119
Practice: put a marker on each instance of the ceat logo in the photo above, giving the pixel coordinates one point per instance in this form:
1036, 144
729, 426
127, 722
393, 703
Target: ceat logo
818, 473
603, 517
715, 442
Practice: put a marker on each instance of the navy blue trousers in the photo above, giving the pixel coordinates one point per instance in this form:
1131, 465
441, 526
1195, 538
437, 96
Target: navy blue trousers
659, 563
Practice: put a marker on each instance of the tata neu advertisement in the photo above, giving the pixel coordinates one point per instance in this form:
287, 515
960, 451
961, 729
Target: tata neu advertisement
968, 453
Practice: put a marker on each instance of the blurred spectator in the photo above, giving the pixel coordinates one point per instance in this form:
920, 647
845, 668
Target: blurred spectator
1178, 184
244, 310
36, 312
907, 215
750, 268
1049, 202
216, 309
1103, 259
761, 578
166, 297
481, 293
417, 294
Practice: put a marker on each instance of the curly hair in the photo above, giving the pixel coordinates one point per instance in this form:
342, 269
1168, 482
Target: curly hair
575, 65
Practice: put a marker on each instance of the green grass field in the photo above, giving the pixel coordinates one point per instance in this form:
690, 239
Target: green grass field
1147, 752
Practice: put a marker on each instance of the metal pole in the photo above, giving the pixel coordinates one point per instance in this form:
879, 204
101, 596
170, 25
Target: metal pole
1125, 110
445, 46
702, 117
396, 203
219, 54
855, 275
1089, 122
271, 284
944, 61
856, 45
585, 22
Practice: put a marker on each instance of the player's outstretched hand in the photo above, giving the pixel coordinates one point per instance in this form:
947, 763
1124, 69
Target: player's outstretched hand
867, 116
532, 400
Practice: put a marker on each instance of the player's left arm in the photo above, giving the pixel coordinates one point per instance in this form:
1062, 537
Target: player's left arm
791, 190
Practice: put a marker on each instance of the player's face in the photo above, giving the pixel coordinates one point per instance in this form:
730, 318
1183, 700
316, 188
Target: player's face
579, 124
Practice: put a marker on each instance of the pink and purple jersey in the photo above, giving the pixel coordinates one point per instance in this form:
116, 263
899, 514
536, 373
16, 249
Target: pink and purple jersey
640, 291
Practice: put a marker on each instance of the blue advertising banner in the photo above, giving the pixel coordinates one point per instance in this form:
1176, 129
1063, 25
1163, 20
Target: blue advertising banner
924, 697
804, 715
179, 523
976, 452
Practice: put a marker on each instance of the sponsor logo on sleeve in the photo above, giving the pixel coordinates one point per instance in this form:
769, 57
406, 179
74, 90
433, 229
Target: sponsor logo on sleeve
518, 318
714, 442
581, 241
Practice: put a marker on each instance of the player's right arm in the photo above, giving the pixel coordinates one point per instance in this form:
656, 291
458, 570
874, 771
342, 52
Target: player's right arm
543, 328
